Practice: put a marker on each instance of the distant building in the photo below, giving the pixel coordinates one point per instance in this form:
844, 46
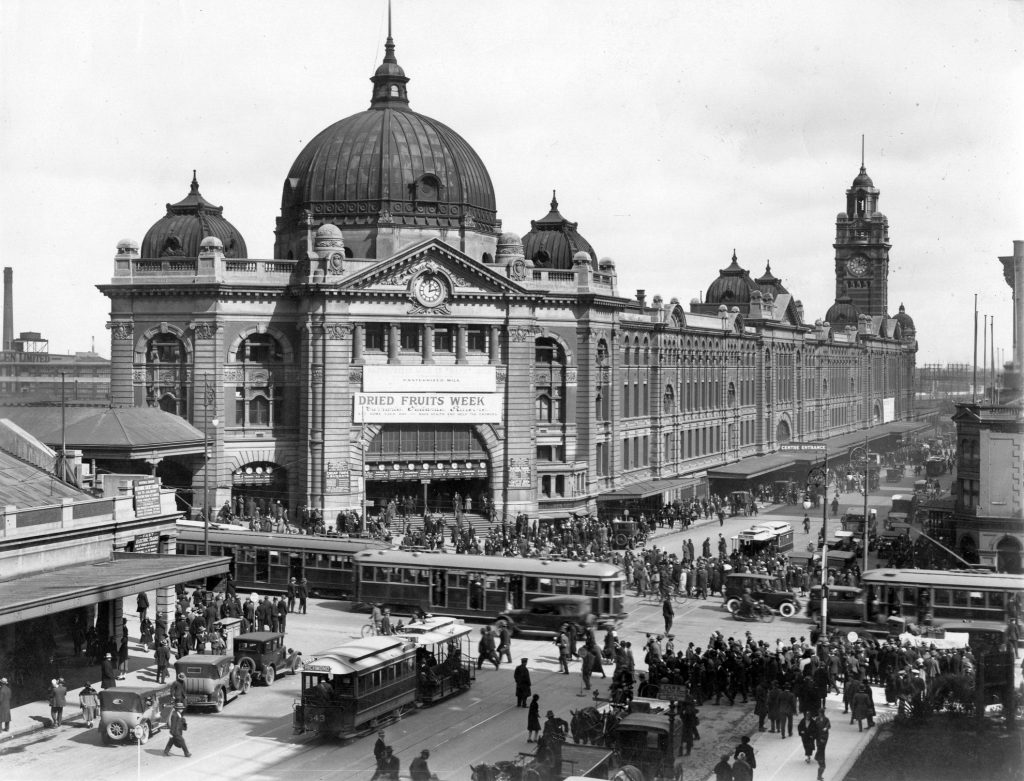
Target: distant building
400, 345
29, 372
989, 510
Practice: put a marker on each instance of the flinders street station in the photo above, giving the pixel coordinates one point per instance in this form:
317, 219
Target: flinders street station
402, 344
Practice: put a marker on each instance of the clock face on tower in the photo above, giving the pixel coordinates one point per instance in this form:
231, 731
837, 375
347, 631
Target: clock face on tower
429, 290
857, 266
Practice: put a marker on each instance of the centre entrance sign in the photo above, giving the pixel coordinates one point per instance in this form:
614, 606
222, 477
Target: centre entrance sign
814, 447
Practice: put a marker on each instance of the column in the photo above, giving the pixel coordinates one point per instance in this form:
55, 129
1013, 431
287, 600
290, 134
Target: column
357, 344
393, 337
460, 344
495, 345
428, 343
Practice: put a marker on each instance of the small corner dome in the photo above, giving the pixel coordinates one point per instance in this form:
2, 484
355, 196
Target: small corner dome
128, 246
606, 264
179, 232
735, 310
509, 246
328, 237
581, 258
906, 321
863, 180
722, 309
329, 230
211, 243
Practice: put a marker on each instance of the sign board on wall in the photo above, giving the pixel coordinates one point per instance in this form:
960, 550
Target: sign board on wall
147, 497
452, 379
426, 408
888, 409
147, 543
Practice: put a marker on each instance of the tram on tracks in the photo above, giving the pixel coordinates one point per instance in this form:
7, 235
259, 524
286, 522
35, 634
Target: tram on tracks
482, 587
266, 561
357, 687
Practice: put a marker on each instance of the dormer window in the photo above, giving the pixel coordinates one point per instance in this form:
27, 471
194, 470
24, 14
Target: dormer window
427, 189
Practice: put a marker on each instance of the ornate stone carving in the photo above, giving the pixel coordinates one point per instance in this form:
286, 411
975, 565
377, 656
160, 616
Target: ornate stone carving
203, 329
384, 217
355, 374
337, 330
517, 270
501, 374
570, 375
522, 333
520, 473
121, 330
232, 375
138, 376
317, 372
402, 276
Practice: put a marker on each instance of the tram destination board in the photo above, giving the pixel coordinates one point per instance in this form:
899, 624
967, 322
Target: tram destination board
147, 497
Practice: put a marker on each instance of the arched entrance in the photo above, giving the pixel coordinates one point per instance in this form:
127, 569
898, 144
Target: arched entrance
969, 549
257, 486
415, 468
1008, 556
782, 432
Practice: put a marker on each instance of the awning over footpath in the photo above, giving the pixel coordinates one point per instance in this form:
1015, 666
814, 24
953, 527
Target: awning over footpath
754, 466
54, 591
840, 446
645, 488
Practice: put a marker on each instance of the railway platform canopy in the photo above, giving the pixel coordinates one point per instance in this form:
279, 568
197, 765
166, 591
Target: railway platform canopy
38, 594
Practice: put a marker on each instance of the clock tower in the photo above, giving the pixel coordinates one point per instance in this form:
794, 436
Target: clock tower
862, 249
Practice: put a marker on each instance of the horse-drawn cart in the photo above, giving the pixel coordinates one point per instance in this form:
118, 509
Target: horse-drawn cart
576, 760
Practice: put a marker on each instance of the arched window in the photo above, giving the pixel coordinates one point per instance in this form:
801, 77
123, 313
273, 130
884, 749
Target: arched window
166, 373
549, 375
259, 398
669, 401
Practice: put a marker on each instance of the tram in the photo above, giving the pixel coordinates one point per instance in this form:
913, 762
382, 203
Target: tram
363, 684
482, 587
265, 561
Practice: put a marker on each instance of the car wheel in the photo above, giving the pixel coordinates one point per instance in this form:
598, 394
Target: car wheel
144, 733
116, 730
218, 701
787, 609
247, 663
269, 674
732, 605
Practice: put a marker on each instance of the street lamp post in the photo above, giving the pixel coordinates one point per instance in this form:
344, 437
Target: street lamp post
208, 401
815, 478
858, 457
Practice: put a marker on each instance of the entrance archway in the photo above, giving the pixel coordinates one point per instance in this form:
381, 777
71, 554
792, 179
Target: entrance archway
782, 432
257, 486
969, 549
1008, 556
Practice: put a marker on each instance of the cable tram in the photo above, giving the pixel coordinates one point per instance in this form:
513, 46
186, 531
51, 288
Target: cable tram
444, 657
483, 587
353, 688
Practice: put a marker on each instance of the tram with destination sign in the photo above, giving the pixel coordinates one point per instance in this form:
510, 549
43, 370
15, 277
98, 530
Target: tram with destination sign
358, 687
483, 587
266, 561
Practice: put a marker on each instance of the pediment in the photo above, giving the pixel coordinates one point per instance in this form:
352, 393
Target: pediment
461, 274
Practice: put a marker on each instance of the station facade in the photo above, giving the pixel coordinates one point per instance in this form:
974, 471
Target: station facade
400, 345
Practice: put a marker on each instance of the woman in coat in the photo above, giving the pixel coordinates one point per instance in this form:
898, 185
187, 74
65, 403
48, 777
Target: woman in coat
773, 706
89, 702
862, 708
533, 720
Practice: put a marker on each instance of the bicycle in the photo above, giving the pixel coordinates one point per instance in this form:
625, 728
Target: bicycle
369, 630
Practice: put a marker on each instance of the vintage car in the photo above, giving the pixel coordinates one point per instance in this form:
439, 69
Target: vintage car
211, 680
762, 587
128, 711
263, 655
845, 604
545, 615
648, 741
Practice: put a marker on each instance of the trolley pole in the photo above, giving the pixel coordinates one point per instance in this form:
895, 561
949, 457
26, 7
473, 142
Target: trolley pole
818, 477
856, 456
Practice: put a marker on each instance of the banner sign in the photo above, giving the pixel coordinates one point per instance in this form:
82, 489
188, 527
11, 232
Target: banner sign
888, 409
426, 408
147, 497
451, 379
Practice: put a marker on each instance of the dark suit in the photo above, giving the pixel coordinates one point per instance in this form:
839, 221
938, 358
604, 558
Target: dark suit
177, 725
521, 675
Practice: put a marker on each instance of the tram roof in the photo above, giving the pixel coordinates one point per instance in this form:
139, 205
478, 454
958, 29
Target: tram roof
943, 578
192, 531
462, 561
359, 655
454, 632
430, 624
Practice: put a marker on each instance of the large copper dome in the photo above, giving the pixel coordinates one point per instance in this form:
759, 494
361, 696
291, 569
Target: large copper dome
388, 165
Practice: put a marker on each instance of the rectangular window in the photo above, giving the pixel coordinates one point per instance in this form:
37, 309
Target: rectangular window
443, 339
636, 451
645, 450
476, 339
559, 485
625, 453
545, 485
625, 400
410, 337
373, 337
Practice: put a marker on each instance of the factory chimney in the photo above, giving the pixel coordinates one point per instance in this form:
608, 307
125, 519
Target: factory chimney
8, 308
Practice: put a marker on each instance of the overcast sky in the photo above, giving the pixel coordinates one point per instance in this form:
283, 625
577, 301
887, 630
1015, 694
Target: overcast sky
673, 131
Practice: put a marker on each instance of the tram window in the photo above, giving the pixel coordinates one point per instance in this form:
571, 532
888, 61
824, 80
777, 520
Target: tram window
977, 599
410, 576
909, 596
246, 555
590, 588
274, 557
959, 598
497, 583
424, 576
532, 584
375, 680
995, 600
942, 596
546, 586
491, 584
575, 587
383, 574
336, 562
458, 580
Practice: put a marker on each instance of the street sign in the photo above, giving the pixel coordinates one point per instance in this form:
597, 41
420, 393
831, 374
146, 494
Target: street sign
673, 691
819, 447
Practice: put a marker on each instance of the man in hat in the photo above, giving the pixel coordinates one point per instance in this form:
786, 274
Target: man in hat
108, 674
292, 592
504, 641
418, 768
521, 675
58, 701
379, 747
178, 691
177, 725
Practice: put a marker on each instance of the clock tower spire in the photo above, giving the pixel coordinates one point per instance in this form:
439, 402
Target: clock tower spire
862, 247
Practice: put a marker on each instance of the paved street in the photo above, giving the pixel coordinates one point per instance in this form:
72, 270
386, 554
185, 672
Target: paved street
253, 737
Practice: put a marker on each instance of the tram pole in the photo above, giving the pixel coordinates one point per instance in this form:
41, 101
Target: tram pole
819, 476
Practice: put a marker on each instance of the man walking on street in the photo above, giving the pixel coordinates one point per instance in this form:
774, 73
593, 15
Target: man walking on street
824, 726
668, 614
177, 726
521, 675
303, 595
292, 592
